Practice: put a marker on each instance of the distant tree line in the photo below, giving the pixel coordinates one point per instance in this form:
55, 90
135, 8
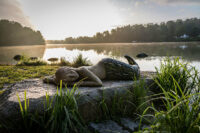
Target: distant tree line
179, 30
13, 33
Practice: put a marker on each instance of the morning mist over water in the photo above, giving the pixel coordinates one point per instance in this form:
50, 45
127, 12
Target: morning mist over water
189, 51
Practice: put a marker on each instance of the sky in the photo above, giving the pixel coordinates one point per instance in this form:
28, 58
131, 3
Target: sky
58, 19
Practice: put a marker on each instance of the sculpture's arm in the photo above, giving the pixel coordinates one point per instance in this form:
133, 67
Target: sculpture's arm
92, 79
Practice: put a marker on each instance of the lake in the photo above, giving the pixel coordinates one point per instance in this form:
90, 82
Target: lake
189, 51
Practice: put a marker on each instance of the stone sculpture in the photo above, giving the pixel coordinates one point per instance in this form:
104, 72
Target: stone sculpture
106, 69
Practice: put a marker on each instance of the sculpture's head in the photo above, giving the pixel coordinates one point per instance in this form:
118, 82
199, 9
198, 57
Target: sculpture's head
66, 74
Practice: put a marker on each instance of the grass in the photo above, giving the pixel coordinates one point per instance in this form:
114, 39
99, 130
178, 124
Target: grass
80, 61
181, 71
181, 113
64, 116
60, 115
12, 74
128, 105
27, 69
179, 87
64, 62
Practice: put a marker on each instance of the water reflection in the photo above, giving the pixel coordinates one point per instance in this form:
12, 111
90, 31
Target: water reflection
147, 64
7, 53
69, 55
189, 51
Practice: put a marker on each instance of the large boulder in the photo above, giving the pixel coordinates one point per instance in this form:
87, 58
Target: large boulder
88, 101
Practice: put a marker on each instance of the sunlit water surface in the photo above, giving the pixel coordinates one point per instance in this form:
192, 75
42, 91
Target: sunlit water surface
189, 51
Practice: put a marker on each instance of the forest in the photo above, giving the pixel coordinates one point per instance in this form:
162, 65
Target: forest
13, 33
178, 30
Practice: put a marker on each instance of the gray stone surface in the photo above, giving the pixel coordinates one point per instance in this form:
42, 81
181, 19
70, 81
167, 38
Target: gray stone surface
129, 124
36, 90
107, 127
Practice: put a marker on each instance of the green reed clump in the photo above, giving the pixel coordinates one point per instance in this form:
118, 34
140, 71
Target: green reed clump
129, 104
113, 108
171, 69
182, 113
65, 117
64, 62
180, 97
80, 61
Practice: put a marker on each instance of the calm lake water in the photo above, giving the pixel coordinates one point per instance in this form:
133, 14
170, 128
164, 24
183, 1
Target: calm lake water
189, 51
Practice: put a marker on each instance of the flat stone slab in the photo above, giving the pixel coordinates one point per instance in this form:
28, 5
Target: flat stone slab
89, 97
129, 124
107, 127
126, 125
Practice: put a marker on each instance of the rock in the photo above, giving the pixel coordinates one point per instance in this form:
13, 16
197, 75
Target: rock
129, 124
144, 126
88, 101
33, 58
18, 57
142, 55
107, 127
53, 59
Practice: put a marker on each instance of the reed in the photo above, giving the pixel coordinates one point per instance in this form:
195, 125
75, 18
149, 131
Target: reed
80, 61
179, 86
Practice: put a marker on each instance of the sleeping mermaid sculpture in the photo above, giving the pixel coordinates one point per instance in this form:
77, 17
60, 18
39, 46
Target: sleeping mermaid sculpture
106, 69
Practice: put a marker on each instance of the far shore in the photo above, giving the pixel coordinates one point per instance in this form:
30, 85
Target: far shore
11, 45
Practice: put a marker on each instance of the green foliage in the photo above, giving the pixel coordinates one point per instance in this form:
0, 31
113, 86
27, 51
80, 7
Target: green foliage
64, 115
139, 96
80, 61
12, 74
180, 95
1, 92
165, 31
12, 33
181, 114
171, 69
64, 62
24, 111
131, 104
